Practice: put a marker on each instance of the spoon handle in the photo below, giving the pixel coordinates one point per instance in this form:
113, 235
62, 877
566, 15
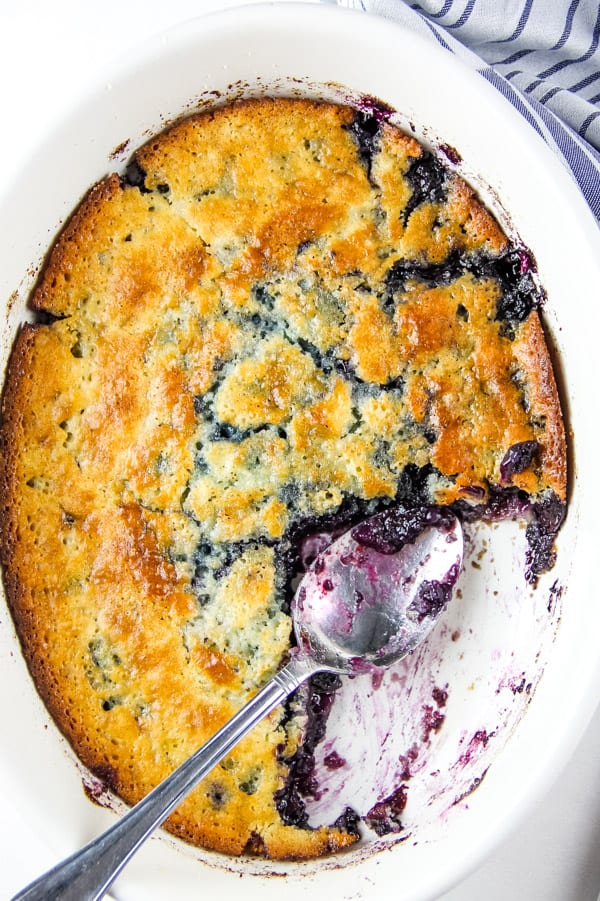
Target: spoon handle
87, 874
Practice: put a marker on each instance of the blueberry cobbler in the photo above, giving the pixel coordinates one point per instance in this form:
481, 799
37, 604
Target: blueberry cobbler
280, 318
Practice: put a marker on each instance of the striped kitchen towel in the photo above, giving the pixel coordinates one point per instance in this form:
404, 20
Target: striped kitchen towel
542, 55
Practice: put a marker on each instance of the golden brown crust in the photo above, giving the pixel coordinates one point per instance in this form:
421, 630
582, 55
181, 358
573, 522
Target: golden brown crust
69, 254
235, 354
532, 354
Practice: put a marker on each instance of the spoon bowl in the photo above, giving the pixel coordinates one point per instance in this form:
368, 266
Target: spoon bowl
376, 592
367, 600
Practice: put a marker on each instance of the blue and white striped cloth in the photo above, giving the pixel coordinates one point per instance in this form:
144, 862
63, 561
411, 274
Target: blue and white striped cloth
542, 55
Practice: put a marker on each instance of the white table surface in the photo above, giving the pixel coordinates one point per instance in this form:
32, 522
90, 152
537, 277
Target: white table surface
49, 50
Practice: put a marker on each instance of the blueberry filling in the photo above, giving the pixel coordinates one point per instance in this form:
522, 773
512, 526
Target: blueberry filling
548, 516
213, 562
225, 431
301, 782
389, 531
502, 503
431, 599
375, 107
364, 128
519, 293
348, 821
135, 177
326, 362
545, 519
433, 274
427, 177
518, 458
217, 795
412, 487
512, 270
111, 702
265, 299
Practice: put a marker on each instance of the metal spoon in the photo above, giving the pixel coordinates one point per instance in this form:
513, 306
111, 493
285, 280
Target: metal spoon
367, 601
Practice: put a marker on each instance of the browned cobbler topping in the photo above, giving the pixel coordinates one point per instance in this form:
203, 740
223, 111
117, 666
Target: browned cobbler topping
284, 315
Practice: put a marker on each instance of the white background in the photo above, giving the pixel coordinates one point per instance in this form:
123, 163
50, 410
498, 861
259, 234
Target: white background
49, 51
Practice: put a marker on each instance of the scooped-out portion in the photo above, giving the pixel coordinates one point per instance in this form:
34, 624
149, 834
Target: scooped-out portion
282, 317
